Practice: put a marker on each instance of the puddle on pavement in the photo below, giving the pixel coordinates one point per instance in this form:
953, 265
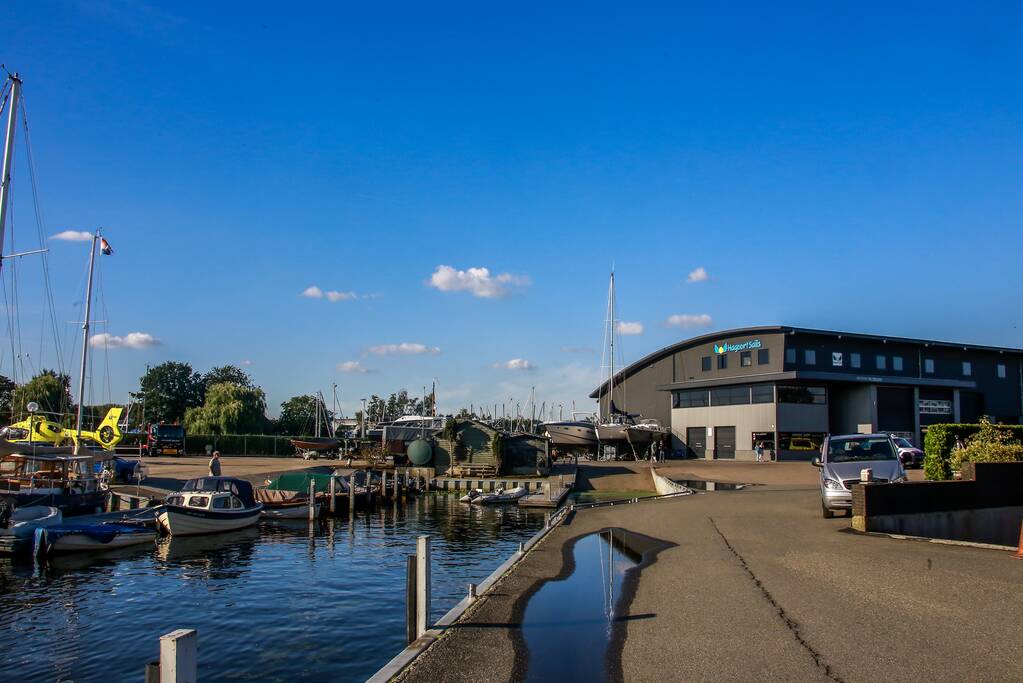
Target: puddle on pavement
698, 485
568, 624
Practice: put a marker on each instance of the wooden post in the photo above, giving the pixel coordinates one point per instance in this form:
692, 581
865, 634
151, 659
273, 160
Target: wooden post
312, 499
410, 598
351, 495
333, 494
178, 656
153, 672
383, 483
422, 585
472, 592
395, 484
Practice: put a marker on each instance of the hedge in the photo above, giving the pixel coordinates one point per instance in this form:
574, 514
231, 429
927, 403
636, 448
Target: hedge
241, 444
941, 439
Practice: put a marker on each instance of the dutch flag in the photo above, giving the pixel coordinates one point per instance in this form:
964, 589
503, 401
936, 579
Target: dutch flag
105, 247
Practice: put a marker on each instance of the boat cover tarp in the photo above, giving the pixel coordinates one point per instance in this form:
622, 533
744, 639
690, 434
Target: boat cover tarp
45, 537
299, 482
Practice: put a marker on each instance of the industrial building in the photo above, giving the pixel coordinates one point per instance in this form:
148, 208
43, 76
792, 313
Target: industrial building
787, 387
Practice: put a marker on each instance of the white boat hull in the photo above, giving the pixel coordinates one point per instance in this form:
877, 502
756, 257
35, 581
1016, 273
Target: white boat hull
612, 432
178, 522
288, 512
571, 434
509, 496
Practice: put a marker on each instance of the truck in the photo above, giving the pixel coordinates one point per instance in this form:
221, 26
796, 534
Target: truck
165, 439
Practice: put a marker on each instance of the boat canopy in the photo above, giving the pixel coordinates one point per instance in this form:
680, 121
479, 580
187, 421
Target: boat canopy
239, 487
299, 481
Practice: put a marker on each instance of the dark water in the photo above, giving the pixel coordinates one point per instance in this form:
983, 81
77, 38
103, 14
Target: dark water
283, 601
567, 625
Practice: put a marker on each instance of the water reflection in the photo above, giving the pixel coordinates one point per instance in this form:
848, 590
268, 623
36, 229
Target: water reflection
579, 610
288, 600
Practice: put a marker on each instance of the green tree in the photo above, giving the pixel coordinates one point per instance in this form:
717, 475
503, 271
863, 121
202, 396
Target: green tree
297, 415
227, 374
229, 409
7, 387
51, 391
168, 390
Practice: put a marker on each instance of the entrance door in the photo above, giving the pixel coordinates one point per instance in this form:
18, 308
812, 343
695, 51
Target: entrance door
724, 443
696, 440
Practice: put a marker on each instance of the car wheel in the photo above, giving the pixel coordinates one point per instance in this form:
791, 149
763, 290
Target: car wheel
826, 513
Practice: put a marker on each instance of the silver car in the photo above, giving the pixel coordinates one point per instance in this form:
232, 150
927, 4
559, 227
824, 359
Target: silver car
842, 458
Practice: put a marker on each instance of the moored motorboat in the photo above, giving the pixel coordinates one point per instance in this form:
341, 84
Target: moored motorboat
210, 505
65, 538
500, 496
293, 510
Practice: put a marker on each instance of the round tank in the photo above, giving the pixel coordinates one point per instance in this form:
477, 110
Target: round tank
420, 452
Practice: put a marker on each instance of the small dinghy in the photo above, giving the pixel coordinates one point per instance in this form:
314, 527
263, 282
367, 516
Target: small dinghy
500, 496
209, 505
471, 496
293, 510
65, 538
18, 525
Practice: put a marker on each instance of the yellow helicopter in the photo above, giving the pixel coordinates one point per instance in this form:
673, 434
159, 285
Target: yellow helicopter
38, 429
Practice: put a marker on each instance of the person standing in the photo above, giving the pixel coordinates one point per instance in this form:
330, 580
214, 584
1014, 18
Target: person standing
215, 464
760, 451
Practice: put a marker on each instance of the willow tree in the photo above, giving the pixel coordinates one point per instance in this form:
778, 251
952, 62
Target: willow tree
229, 409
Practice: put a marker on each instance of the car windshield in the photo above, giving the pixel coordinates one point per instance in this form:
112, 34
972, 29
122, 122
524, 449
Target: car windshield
168, 431
903, 443
860, 448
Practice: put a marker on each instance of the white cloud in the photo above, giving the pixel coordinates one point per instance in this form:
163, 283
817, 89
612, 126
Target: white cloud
698, 275
689, 320
353, 366
630, 329
333, 296
72, 236
516, 364
403, 349
132, 340
478, 281
246, 362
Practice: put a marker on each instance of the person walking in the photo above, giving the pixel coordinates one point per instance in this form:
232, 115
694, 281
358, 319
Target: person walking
760, 451
660, 451
215, 464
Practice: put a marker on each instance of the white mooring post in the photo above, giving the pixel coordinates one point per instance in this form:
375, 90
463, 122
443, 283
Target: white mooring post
179, 652
472, 592
422, 585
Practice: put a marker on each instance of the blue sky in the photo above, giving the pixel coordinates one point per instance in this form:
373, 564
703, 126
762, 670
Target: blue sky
853, 167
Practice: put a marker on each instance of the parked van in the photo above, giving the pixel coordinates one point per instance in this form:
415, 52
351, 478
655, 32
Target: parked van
842, 458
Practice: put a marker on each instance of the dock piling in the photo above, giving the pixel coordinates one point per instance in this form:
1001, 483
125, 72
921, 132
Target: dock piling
153, 672
395, 484
422, 585
178, 656
312, 500
383, 484
472, 592
410, 598
351, 495
333, 494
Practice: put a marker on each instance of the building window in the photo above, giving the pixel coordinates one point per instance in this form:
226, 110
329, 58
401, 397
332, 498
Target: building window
763, 393
967, 368
730, 396
1001, 370
693, 398
798, 394
705, 361
854, 360
763, 356
810, 357
897, 363
790, 355
929, 365
882, 363
723, 361
746, 359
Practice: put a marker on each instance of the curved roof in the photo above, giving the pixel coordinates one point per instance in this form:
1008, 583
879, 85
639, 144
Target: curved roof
643, 362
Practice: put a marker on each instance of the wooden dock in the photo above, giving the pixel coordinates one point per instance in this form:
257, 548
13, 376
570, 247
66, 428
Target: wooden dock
551, 495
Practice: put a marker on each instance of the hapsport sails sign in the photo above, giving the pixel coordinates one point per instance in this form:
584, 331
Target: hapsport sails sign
729, 347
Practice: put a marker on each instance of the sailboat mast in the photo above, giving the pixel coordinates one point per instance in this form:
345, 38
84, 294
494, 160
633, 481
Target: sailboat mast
611, 331
5, 179
85, 341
